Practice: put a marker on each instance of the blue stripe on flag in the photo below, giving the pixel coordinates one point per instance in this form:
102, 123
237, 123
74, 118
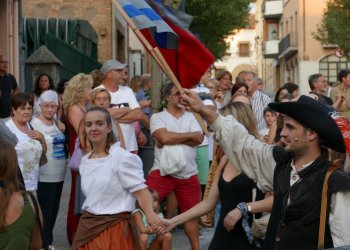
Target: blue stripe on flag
132, 12
144, 17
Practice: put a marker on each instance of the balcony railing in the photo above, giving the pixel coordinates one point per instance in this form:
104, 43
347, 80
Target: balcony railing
272, 9
288, 46
270, 48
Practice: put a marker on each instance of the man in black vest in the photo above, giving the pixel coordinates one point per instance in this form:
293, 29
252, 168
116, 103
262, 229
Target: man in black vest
294, 173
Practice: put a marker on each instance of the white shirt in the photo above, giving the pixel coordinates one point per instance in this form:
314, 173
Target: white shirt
259, 103
125, 98
28, 155
55, 168
255, 159
205, 95
108, 182
186, 123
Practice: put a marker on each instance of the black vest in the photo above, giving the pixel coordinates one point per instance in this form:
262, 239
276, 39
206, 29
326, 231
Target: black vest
295, 225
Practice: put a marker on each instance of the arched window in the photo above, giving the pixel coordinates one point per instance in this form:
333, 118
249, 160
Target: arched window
330, 66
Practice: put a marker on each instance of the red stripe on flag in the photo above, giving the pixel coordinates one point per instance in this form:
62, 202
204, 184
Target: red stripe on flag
194, 58
190, 61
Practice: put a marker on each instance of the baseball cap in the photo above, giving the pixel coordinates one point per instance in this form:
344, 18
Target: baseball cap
112, 64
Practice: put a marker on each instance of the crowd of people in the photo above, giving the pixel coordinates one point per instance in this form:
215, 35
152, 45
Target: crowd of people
264, 168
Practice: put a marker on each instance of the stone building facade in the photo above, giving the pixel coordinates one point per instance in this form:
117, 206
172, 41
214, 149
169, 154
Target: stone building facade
287, 50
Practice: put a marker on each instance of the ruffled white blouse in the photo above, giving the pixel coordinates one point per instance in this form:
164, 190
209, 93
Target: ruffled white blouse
108, 182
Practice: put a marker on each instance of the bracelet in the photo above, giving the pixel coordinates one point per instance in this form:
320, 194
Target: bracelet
249, 207
244, 208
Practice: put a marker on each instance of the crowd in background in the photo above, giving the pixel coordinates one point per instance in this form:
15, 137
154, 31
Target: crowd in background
95, 123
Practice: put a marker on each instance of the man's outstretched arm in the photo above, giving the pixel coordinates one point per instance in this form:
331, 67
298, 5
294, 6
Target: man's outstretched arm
246, 153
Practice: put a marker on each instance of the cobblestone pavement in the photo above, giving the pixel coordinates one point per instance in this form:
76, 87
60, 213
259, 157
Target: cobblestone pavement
180, 241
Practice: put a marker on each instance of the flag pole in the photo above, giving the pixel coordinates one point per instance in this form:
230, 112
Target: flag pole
155, 52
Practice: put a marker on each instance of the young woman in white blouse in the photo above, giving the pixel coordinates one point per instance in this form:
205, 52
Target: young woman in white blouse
112, 180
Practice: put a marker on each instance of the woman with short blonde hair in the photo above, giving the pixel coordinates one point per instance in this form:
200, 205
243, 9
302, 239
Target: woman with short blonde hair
102, 98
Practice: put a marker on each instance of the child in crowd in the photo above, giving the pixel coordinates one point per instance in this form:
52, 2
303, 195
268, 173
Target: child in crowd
270, 117
148, 238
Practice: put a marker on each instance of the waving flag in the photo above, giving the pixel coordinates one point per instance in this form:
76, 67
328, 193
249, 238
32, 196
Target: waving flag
187, 57
144, 17
175, 16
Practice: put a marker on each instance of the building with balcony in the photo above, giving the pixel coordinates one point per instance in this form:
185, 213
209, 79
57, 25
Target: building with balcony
286, 49
268, 14
241, 52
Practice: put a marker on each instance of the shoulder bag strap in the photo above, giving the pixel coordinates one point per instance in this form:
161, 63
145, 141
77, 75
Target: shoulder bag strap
37, 217
323, 211
30, 126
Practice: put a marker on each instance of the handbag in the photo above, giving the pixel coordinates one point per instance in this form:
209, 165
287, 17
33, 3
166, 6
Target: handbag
172, 159
259, 225
76, 156
43, 157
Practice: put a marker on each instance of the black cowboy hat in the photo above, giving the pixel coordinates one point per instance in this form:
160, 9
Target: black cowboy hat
314, 115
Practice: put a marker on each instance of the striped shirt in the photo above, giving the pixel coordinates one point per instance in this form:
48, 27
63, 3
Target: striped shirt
259, 103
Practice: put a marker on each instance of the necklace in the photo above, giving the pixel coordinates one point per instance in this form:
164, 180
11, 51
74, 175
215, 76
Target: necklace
46, 121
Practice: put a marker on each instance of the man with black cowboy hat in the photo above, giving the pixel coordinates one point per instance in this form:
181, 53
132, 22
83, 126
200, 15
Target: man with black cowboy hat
295, 173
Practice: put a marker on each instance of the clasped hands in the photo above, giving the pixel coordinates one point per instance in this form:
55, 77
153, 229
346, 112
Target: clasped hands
159, 225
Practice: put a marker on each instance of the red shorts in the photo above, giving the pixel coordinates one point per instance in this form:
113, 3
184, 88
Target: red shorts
187, 191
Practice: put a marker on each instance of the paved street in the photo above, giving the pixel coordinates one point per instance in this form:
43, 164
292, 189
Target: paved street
180, 241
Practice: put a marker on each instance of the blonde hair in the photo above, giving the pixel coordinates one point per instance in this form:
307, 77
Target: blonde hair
97, 91
244, 115
73, 93
241, 94
213, 81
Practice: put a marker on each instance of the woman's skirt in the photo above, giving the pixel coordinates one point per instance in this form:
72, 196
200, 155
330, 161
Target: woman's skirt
107, 232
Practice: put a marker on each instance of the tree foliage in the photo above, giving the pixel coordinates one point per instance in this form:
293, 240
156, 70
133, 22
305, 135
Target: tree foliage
335, 28
215, 20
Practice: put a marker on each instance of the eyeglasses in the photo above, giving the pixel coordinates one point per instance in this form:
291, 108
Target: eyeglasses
48, 106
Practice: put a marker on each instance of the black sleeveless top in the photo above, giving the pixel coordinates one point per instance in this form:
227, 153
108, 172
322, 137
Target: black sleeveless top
239, 189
